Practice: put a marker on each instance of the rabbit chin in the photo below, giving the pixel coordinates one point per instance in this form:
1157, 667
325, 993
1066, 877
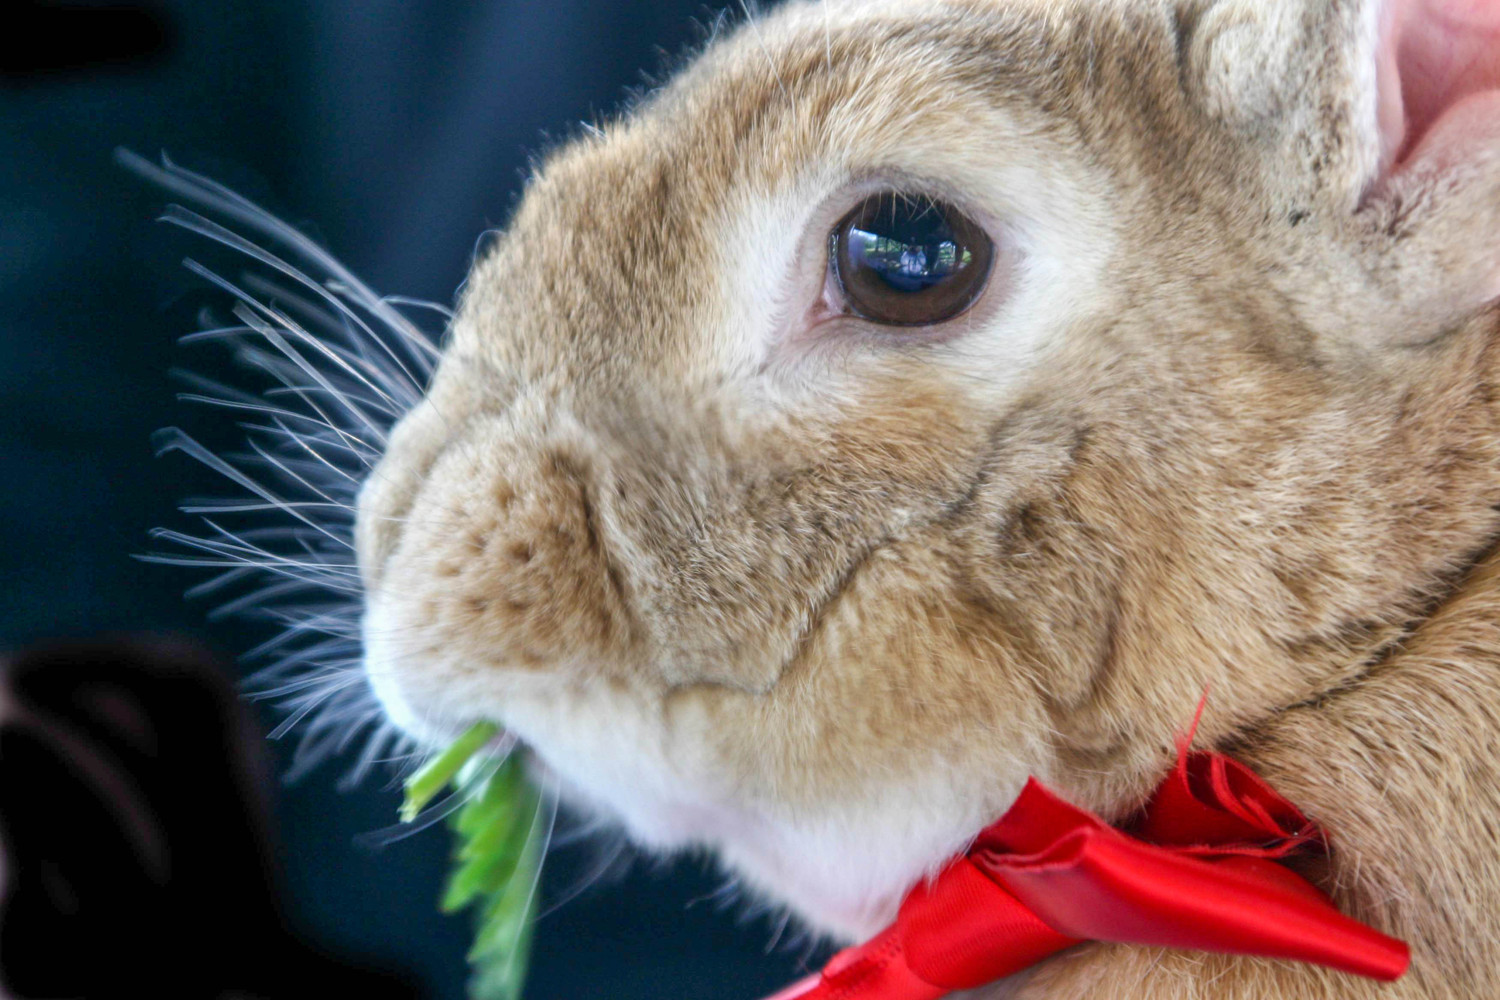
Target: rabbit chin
842, 864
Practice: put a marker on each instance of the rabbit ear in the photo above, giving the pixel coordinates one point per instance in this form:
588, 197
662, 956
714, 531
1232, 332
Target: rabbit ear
1438, 83
1431, 190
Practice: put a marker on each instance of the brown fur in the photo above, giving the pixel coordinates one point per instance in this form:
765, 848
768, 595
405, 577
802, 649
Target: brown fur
817, 583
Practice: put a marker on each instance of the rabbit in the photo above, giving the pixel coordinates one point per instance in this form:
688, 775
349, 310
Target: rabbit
911, 398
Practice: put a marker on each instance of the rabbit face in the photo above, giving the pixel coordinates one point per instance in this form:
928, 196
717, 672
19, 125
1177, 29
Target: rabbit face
748, 565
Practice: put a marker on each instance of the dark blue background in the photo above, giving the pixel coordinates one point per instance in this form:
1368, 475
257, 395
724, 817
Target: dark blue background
395, 132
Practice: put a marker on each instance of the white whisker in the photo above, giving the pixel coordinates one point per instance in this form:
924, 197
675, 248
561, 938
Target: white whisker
827, 37
438, 811
751, 21
194, 222
606, 863
212, 194
546, 804
324, 368
403, 300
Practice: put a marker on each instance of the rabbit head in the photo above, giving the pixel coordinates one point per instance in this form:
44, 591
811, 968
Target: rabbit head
762, 547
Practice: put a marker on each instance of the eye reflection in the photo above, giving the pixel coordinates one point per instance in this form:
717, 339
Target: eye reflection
902, 260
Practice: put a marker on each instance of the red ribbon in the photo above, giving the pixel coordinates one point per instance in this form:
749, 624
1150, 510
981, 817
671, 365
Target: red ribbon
1198, 869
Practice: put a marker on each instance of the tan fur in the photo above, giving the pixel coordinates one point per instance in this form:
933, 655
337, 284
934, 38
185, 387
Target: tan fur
842, 595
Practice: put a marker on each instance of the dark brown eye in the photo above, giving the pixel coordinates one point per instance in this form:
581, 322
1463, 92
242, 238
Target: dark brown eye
905, 260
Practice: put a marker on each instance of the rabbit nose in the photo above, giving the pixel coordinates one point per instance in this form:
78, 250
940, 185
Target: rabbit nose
502, 552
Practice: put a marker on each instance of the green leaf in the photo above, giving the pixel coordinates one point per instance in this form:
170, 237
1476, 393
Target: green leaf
435, 775
501, 874
499, 842
484, 825
489, 859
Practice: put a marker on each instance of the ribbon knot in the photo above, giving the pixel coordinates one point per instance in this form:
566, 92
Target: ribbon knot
1199, 868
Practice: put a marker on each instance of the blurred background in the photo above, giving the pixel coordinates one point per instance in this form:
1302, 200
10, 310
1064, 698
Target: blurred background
395, 133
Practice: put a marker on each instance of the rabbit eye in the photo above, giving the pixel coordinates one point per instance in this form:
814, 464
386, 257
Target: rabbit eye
903, 260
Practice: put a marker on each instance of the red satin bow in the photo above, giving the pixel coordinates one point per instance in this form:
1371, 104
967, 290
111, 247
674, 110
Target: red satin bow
1197, 870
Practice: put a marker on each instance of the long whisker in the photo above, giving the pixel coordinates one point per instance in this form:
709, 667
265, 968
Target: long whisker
324, 370
193, 222
332, 366
547, 805
752, 20
205, 191
827, 37
603, 866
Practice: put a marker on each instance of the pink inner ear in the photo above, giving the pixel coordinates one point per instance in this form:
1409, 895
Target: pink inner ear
1439, 80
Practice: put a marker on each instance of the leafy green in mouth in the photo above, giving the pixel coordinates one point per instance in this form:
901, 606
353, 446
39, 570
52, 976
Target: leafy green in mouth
500, 837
